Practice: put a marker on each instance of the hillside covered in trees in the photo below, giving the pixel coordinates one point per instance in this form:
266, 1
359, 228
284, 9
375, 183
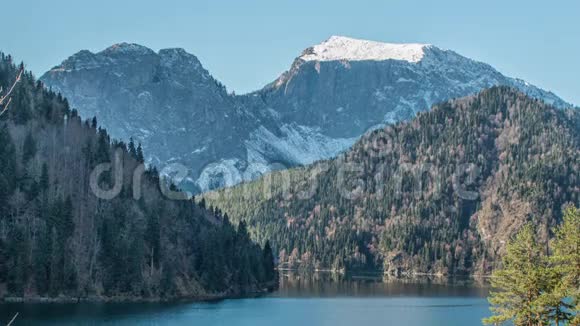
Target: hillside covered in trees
442, 193
59, 240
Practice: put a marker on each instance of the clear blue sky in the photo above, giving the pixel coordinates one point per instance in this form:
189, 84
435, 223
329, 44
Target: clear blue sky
248, 43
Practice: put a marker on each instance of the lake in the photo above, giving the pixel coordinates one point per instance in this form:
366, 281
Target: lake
316, 300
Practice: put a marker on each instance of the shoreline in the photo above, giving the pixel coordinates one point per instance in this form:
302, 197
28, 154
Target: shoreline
402, 275
207, 298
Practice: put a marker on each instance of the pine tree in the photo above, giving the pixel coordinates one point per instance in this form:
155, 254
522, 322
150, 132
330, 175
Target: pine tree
566, 270
131, 148
140, 157
66, 220
519, 283
268, 259
7, 155
153, 241
242, 232
29, 148
8, 171
102, 153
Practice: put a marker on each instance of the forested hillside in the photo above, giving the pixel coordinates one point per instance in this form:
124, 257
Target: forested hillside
442, 193
57, 239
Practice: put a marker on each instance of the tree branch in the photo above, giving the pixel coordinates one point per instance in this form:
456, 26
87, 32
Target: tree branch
13, 319
6, 99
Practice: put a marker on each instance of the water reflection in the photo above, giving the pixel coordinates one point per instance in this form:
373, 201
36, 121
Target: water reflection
376, 285
320, 299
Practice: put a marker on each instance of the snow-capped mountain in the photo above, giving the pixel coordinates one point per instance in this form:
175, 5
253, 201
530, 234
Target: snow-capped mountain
346, 86
332, 94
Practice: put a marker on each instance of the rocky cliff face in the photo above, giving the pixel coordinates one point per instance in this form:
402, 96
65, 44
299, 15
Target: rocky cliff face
332, 94
346, 94
166, 100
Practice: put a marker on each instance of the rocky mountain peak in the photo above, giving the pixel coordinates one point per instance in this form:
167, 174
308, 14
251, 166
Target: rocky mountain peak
117, 54
179, 58
124, 48
83, 59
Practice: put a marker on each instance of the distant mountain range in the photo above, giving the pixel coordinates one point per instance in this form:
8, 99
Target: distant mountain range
332, 94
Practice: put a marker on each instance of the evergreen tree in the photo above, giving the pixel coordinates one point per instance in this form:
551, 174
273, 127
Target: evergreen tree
153, 241
102, 153
242, 232
564, 295
269, 264
8, 171
140, 157
131, 148
66, 220
29, 148
520, 282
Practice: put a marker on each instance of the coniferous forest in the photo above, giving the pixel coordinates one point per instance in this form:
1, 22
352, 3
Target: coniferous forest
269, 163
59, 240
441, 194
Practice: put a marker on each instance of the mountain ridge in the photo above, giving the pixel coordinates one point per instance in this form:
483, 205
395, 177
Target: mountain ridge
170, 103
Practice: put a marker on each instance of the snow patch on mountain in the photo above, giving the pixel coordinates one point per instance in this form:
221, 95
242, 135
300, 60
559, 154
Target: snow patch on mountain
338, 48
297, 145
267, 151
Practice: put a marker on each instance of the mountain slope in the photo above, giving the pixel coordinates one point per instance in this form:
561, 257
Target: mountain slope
439, 194
63, 236
332, 94
167, 101
347, 93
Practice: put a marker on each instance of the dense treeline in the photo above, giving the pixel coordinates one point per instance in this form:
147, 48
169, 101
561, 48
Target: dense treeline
536, 286
57, 239
439, 194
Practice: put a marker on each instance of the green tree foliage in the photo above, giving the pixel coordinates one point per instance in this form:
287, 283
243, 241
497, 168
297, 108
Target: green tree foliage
565, 286
535, 287
520, 281
57, 238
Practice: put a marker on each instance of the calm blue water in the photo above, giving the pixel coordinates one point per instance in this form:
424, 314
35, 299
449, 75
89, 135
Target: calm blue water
299, 302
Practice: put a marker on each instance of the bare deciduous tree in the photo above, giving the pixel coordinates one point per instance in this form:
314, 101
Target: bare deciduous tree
6, 98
